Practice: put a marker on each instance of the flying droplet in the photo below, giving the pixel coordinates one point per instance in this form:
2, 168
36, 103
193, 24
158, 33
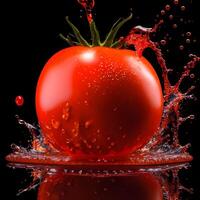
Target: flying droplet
174, 26
167, 7
181, 47
163, 42
192, 76
183, 8
176, 2
188, 34
171, 17
162, 12
191, 117
19, 100
187, 41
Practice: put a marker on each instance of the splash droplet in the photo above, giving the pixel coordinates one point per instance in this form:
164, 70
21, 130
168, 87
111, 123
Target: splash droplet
176, 2
171, 17
188, 34
181, 47
163, 42
192, 76
167, 7
19, 100
183, 8
174, 26
187, 41
162, 12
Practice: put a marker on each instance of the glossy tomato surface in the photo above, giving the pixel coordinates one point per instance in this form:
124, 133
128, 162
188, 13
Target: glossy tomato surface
98, 101
139, 186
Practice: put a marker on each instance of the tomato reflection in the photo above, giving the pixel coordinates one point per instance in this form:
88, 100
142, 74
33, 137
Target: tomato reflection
62, 186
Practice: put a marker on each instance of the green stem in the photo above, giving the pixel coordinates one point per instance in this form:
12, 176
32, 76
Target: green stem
77, 33
95, 34
113, 32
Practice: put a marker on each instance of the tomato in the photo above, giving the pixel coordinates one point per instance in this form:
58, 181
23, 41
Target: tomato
139, 186
98, 101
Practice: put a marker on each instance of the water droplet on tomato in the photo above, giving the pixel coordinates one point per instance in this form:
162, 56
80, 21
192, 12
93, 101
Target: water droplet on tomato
105, 189
88, 123
124, 136
75, 130
86, 102
115, 109
66, 111
192, 117
108, 138
55, 124
94, 140
19, 100
63, 131
68, 141
112, 144
48, 127
65, 116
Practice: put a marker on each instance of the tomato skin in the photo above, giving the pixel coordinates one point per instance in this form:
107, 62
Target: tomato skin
98, 101
138, 186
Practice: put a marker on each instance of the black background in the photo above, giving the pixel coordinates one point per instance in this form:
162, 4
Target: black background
29, 36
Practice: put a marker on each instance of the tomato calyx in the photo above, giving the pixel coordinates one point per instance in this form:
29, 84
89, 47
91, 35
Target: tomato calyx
109, 41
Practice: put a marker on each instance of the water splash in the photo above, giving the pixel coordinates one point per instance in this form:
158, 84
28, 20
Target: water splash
140, 37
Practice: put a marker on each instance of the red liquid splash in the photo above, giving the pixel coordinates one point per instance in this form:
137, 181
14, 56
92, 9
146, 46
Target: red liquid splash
163, 148
88, 5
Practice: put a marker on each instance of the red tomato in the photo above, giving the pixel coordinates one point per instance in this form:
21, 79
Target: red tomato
98, 102
139, 186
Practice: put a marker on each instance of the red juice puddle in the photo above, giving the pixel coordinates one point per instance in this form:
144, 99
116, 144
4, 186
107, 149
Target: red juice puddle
164, 147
